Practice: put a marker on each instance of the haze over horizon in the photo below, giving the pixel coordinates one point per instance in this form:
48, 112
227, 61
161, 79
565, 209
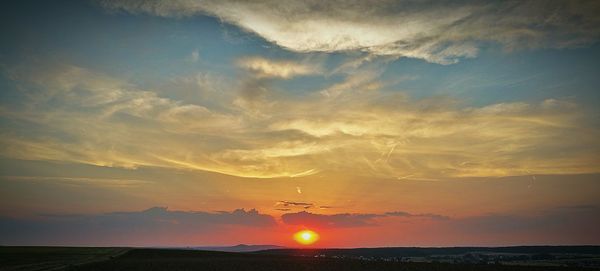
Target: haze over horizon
216, 123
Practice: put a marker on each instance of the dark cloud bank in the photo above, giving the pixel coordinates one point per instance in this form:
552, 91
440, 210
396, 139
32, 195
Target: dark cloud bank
156, 222
159, 225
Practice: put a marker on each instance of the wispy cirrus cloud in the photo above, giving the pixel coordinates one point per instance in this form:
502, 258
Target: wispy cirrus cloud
441, 32
88, 117
104, 182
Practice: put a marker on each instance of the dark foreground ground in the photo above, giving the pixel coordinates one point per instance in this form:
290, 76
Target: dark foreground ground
96, 259
53, 258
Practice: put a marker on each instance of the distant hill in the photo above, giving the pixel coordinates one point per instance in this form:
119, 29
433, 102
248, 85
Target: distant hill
240, 248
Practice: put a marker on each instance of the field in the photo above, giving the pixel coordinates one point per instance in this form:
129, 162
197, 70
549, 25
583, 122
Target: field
97, 259
53, 258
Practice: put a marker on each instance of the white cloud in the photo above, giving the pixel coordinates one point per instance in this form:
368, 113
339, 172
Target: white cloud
263, 67
436, 31
194, 56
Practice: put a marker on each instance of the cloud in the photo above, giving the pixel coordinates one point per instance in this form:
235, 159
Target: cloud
405, 214
440, 32
329, 221
293, 203
73, 114
194, 56
565, 224
266, 68
161, 226
125, 228
364, 80
348, 220
581, 207
542, 227
103, 182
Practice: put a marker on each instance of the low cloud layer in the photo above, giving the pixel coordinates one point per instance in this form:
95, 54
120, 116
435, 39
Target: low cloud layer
348, 220
551, 226
126, 228
436, 31
160, 226
329, 221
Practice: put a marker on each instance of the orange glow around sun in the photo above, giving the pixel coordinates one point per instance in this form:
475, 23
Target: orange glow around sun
306, 237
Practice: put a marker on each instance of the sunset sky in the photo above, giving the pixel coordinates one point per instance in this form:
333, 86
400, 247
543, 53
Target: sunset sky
383, 123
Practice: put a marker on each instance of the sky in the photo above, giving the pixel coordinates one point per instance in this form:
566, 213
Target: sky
385, 123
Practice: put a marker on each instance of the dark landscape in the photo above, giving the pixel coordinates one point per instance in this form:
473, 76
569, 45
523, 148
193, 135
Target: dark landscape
463, 258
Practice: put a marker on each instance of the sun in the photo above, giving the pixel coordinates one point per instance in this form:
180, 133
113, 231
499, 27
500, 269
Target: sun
306, 237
